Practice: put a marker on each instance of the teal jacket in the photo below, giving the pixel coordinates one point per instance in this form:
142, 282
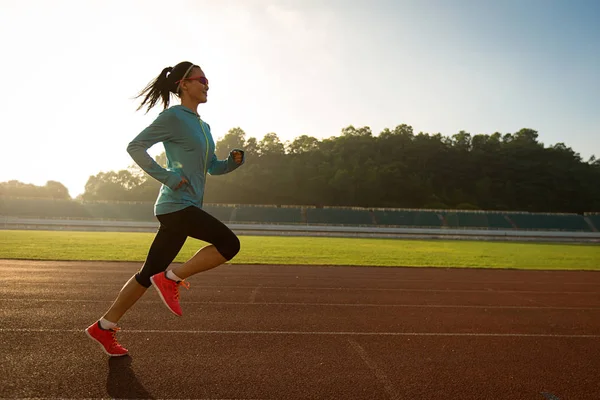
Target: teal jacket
190, 151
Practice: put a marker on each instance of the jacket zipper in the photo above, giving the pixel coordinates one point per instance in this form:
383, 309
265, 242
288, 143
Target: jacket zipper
205, 138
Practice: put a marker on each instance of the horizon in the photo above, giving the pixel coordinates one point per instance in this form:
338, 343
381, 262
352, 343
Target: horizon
294, 68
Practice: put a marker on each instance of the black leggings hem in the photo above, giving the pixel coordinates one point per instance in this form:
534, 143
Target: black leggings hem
173, 231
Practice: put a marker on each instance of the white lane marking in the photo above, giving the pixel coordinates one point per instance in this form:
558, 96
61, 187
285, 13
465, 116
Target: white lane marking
253, 294
287, 288
379, 374
299, 304
9, 273
104, 398
300, 333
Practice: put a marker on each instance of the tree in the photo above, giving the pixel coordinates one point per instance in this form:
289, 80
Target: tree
270, 145
352, 131
462, 141
397, 168
234, 139
526, 136
251, 149
303, 144
51, 190
106, 186
57, 190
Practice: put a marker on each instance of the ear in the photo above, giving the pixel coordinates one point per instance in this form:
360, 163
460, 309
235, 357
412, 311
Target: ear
185, 86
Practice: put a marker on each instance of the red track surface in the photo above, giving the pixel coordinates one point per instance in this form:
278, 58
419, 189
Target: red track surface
281, 332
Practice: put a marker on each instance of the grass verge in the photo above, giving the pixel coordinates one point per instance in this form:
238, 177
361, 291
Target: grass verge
120, 246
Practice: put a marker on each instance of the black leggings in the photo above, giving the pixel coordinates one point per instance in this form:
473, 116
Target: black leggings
174, 230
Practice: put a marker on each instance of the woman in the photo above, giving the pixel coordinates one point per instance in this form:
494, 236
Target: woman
190, 152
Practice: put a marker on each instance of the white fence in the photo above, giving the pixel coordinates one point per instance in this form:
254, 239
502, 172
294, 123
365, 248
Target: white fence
7, 223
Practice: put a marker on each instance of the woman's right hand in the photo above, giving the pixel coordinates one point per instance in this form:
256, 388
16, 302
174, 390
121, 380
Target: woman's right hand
184, 181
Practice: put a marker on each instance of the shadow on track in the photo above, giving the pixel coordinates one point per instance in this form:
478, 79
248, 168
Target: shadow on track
122, 382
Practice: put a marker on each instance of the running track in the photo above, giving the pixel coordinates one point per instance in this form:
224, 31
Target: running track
283, 332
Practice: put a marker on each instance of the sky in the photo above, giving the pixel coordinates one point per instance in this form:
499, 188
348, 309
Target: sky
71, 70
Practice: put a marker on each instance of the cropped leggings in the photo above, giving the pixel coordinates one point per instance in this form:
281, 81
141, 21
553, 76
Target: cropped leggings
174, 230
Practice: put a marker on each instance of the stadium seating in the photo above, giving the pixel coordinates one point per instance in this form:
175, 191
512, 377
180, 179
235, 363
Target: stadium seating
221, 212
338, 216
559, 222
394, 217
472, 219
427, 219
411, 218
498, 221
230, 213
42, 208
451, 219
121, 211
269, 214
595, 219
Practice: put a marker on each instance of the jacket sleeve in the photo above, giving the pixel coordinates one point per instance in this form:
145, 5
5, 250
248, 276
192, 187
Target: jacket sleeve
220, 167
159, 131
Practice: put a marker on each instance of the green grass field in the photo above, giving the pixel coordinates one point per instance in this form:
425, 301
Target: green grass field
58, 245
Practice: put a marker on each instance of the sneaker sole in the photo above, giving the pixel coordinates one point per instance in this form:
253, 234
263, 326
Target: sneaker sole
161, 296
102, 347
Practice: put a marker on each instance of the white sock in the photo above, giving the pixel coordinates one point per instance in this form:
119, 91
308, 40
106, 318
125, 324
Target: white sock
106, 324
171, 275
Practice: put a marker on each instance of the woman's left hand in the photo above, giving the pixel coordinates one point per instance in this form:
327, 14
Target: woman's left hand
238, 156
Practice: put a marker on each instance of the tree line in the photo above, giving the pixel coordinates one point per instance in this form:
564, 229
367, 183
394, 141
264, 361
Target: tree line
396, 168
51, 190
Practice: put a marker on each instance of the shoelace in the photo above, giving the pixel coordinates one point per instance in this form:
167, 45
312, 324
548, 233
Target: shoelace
181, 283
114, 338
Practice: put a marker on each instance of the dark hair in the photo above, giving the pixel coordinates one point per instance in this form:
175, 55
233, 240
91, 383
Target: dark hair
165, 84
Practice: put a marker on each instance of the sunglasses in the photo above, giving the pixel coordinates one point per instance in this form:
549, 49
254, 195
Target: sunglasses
202, 79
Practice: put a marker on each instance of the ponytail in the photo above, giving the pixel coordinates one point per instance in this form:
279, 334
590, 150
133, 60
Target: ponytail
164, 84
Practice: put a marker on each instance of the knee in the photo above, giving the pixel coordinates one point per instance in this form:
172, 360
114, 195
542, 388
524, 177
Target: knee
229, 248
143, 279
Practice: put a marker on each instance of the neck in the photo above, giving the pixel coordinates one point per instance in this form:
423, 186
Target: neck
192, 105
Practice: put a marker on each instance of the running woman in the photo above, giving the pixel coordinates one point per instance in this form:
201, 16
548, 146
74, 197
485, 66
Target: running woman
190, 152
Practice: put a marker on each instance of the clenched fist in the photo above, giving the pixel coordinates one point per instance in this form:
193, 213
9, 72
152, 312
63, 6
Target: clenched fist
238, 156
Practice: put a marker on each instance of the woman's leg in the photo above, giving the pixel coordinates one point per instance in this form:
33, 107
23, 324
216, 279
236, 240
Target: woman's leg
167, 243
165, 247
224, 244
130, 293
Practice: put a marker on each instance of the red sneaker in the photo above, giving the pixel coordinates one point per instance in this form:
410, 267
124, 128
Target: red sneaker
106, 338
168, 290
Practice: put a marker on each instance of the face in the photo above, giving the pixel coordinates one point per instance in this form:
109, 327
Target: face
196, 86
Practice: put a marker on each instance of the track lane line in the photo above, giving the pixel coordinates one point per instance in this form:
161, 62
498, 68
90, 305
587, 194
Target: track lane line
379, 373
374, 289
252, 302
309, 333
